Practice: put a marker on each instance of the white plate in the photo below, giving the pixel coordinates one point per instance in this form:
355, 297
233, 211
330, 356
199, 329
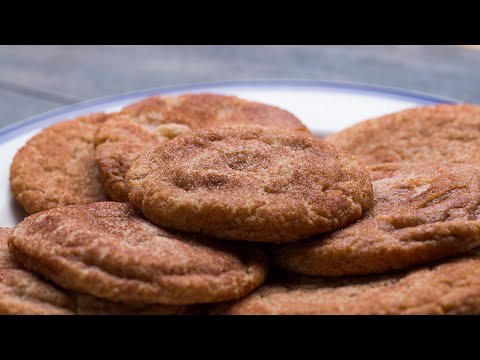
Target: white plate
323, 107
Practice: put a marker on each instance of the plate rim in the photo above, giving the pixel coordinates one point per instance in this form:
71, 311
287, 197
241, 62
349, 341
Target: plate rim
352, 87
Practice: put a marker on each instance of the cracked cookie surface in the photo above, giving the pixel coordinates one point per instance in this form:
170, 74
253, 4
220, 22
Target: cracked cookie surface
424, 134
420, 213
147, 123
250, 183
57, 166
109, 251
451, 287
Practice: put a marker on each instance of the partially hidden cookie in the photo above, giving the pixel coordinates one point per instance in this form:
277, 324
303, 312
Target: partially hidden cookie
147, 123
23, 293
451, 287
109, 251
421, 213
6, 259
57, 167
250, 183
424, 134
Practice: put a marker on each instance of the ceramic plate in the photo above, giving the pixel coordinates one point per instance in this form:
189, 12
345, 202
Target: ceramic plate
323, 107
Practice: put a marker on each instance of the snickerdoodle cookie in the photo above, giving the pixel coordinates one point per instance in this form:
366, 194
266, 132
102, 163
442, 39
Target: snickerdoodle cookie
109, 251
430, 134
421, 213
250, 183
150, 122
6, 258
57, 167
22, 293
451, 287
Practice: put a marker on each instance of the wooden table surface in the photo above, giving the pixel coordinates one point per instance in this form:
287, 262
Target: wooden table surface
35, 79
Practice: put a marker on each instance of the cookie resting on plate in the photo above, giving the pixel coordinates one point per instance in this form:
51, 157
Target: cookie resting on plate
109, 251
435, 133
420, 213
250, 183
150, 122
23, 293
57, 166
451, 287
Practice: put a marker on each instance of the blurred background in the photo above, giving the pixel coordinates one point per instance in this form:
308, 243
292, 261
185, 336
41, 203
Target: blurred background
35, 79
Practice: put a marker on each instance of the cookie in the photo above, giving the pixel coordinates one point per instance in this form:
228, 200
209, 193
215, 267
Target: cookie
43, 298
57, 167
150, 122
22, 293
6, 259
425, 134
421, 213
451, 287
109, 251
250, 183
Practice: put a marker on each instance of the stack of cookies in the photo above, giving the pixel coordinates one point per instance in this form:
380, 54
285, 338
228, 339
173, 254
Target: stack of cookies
210, 204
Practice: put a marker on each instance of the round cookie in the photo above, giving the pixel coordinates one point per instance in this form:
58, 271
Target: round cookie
57, 167
6, 259
250, 183
22, 293
424, 134
42, 298
109, 251
421, 213
451, 287
150, 122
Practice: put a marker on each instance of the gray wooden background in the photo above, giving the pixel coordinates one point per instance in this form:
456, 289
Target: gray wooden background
35, 79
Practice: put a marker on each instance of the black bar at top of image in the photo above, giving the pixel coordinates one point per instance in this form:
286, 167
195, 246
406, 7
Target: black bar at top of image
245, 23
